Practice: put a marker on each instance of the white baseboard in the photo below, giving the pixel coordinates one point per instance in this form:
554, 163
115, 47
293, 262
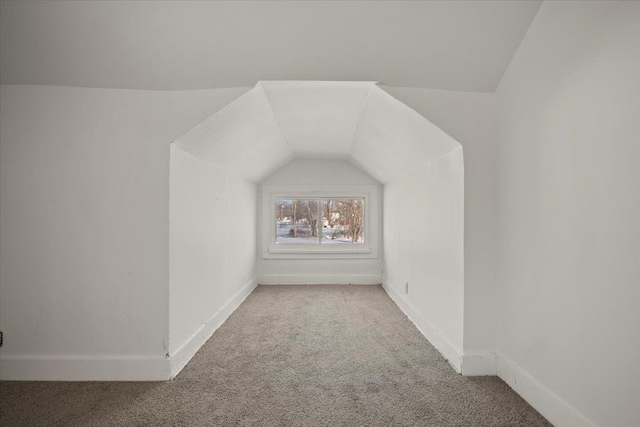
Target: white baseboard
550, 405
84, 368
183, 355
435, 337
117, 368
479, 364
320, 279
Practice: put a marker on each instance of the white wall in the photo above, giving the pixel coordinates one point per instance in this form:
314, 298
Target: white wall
569, 237
84, 208
197, 245
316, 271
422, 170
423, 247
470, 118
213, 246
86, 124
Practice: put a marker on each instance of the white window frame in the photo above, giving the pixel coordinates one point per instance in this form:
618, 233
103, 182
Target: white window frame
372, 208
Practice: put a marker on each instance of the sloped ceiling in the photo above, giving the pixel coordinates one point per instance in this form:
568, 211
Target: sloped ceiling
275, 122
318, 119
167, 45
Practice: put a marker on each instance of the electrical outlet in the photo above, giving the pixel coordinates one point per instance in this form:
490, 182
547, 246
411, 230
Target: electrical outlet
406, 288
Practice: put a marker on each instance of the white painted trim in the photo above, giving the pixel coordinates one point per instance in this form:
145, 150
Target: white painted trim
320, 279
371, 193
118, 368
478, 364
190, 347
550, 405
435, 337
84, 368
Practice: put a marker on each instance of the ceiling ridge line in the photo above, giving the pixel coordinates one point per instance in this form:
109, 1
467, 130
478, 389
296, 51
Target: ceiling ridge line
215, 136
266, 95
206, 162
227, 171
429, 163
357, 126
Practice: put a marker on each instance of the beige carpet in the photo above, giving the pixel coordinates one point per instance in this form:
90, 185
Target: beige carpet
290, 356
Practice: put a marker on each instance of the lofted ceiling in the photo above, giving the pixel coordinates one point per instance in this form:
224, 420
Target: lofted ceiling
277, 121
168, 45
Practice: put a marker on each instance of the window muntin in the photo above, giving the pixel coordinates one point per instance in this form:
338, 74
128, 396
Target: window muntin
367, 245
320, 221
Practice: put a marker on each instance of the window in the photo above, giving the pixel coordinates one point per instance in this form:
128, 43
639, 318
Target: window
303, 221
319, 221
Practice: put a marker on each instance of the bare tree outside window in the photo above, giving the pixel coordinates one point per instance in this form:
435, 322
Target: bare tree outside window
343, 221
319, 221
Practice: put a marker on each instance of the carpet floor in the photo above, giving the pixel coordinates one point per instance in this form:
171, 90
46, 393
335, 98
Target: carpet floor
290, 356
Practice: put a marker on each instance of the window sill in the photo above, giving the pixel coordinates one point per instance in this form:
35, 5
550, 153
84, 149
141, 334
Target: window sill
303, 251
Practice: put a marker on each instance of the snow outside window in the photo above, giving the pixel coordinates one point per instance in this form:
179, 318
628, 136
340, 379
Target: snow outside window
304, 221
319, 221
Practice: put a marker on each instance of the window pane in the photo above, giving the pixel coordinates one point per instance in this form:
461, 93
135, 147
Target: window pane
297, 221
343, 221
